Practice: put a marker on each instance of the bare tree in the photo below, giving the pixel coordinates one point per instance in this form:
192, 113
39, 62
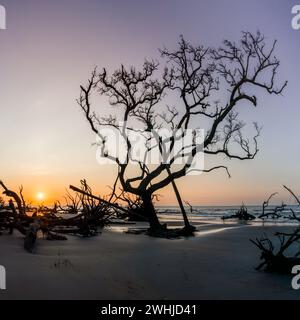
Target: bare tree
266, 205
275, 213
192, 76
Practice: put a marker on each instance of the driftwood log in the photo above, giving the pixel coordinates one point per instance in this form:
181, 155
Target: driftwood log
278, 261
241, 214
94, 213
275, 213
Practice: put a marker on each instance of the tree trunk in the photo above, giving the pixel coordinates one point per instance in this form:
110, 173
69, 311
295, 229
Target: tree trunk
150, 211
185, 217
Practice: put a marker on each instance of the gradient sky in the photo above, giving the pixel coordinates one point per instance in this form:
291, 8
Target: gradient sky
50, 48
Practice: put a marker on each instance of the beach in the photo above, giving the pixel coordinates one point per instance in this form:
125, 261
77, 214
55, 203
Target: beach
219, 263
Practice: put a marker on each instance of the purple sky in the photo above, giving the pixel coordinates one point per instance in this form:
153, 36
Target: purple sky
50, 47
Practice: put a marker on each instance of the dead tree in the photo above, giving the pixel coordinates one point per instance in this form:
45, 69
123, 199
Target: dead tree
277, 261
278, 211
192, 75
273, 213
266, 205
242, 214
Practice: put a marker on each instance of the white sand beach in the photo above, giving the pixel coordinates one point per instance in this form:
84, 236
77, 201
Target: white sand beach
217, 264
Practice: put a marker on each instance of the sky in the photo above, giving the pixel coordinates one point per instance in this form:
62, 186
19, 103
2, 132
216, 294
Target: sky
49, 49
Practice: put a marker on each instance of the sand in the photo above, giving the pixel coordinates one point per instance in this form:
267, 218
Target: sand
217, 264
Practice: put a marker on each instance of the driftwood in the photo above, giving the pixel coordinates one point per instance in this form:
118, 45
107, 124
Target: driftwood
266, 204
275, 213
15, 196
72, 203
114, 205
278, 211
273, 261
241, 214
277, 260
94, 213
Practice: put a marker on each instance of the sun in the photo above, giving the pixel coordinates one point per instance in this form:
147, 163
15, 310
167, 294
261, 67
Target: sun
40, 196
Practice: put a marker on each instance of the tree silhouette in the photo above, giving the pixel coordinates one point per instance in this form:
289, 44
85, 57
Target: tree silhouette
192, 76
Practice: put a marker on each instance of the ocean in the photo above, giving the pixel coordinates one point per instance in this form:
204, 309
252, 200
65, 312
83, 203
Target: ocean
215, 213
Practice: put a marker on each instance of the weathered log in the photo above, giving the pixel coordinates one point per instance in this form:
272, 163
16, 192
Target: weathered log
273, 261
241, 214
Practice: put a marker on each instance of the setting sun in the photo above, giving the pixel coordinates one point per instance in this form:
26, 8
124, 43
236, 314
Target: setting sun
40, 196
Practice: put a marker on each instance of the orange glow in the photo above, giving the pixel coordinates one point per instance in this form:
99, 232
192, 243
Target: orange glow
40, 196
